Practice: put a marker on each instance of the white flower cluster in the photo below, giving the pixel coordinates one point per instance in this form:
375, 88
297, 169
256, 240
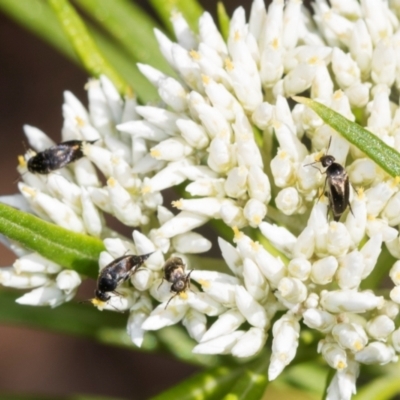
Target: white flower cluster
216, 130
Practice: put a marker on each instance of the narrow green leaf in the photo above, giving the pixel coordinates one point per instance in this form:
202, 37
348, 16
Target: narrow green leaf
223, 20
211, 385
71, 250
377, 150
130, 26
252, 383
37, 16
384, 388
190, 9
84, 45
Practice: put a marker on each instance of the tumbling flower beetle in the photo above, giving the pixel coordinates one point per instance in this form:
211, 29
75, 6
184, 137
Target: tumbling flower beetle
118, 271
56, 157
338, 184
174, 272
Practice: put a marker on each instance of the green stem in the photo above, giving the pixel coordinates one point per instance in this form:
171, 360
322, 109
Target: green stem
84, 45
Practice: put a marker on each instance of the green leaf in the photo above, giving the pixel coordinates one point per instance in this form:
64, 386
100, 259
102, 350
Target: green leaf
211, 385
131, 27
71, 250
190, 9
377, 150
37, 16
85, 47
223, 20
252, 383
384, 388
13, 396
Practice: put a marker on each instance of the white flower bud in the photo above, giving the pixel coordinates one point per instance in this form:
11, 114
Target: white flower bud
358, 94
343, 384
259, 187
183, 222
394, 273
319, 319
143, 129
338, 239
347, 300
68, 281
143, 279
254, 313
395, 294
390, 212
345, 69
172, 149
376, 353
378, 196
214, 122
206, 304
289, 201
283, 169
226, 323
390, 309
304, 247
123, 206
161, 316
67, 192
371, 251
322, 85
195, 323
254, 211
219, 345
235, 184
351, 269
334, 355
100, 157
9, 278
254, 281
312, 301
271, 65
250, 343
377, 226
299, 268
384, 63
90, 215
289, 142
292, 291
139, 312
48, 295
233, 215
163, 119
207, 187
191, 242
356, 221
231, 256
279, 236
262, 115
193, 133
85, 173
33, 263
37, 138
209, 33
350, 336
299, 79
323, 270
380, 327
362, 172
396, 340
220, 157
284, 345
361, 46
271, 267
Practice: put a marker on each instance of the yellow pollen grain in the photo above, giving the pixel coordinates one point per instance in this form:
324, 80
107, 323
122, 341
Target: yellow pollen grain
183, 295
237, 36
357, 345
255, 246
22, 161
370, 217
282, 154
195, 55
30, 191
275, 43
204, 283
337, 95
341, 365
313, 60
205, 79
155, 153
318, 156
256, 219
111, 182
98, 303
360, 193
129, 94
177, 204
237, 234
397, 277
229, 64
80, 121
146, 189
394, 182
276, 124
